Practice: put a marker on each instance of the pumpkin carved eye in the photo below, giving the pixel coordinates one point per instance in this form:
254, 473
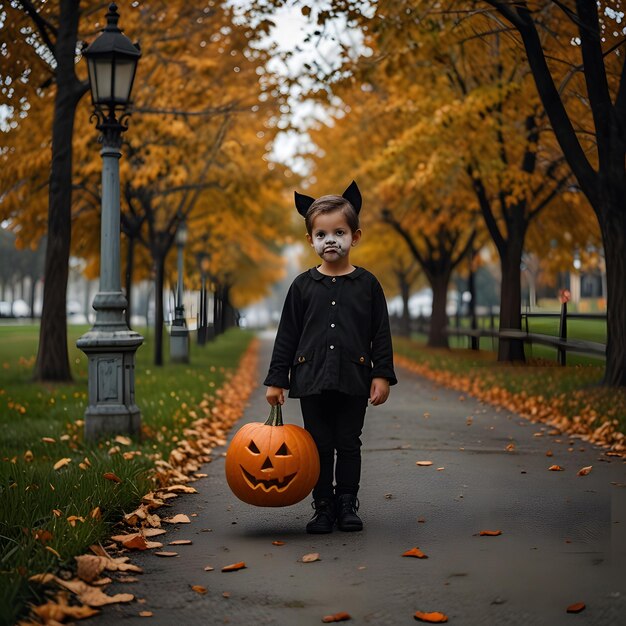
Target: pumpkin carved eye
283, 451
253, 448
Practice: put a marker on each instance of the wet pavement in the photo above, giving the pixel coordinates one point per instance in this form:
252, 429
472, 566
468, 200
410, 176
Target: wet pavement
563, 536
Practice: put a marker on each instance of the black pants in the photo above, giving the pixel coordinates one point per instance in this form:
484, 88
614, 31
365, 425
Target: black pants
335, 421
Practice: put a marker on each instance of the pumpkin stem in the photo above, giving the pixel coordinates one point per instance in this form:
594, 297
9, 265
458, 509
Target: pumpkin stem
276, 416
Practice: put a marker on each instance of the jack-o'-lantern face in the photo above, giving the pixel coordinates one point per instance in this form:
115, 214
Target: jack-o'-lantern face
272, 465
276, 472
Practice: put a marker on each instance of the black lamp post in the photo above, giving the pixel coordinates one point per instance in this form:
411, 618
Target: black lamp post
110, 345
179, 333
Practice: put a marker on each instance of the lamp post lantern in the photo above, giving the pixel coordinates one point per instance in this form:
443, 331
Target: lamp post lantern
179, 333
110, 345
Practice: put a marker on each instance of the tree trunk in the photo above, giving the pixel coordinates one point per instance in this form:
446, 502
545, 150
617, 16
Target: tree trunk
613, 226
439, 318
405, 320
31, 297
52, 357
159, 262
128, 277
511, 298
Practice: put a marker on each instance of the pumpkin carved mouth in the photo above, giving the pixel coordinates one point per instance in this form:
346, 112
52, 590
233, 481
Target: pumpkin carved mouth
266, 485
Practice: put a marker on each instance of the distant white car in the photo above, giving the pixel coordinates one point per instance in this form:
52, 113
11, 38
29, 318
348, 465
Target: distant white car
20, 308
5, 309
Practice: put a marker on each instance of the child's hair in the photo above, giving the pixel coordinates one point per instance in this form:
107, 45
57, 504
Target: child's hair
329, 204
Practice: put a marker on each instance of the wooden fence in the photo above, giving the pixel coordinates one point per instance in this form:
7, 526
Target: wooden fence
485, 326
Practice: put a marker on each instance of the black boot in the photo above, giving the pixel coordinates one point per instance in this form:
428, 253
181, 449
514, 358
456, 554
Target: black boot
324, 517
347, 519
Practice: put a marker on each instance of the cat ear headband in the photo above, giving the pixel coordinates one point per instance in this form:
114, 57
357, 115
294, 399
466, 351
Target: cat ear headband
351, 194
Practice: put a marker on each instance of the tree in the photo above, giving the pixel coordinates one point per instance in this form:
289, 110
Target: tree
42, 41
598, 165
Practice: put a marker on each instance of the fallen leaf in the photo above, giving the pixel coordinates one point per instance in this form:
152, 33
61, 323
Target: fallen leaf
234, 567
416, 552
208, 568
112, 477
199, 588
165, 553
93, 596
180, 489
136, 542
424, 463
309, 558
432, 618
490, 533
125, 441
48, 440
181, 518
549, 453
585, 470
145, 613
336, 617
50, 549
180, 542
127, 579
576, 608
439, 469
278, 543
89, 567
225, 594
57, 612
510, 447
555, 468
153, 532
61, 463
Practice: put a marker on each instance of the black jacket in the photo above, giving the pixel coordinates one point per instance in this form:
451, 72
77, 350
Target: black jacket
333, 334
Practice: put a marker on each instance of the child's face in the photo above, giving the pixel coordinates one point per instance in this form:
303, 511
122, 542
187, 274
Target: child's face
331, 236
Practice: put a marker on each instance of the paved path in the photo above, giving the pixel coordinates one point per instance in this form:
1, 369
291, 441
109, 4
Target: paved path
563, 537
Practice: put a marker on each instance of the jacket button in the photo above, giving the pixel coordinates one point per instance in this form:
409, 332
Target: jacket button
334, 279
301, 359
332, 326
332, 347
362, 359
333, 303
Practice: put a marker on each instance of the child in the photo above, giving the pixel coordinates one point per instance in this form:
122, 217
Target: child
333, 351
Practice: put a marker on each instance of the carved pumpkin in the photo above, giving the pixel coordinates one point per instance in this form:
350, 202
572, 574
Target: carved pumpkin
272, 464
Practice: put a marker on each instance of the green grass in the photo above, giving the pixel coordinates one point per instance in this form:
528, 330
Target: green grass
35, 499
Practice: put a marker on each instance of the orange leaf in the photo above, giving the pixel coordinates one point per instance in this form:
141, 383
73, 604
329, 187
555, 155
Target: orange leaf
208, 568
180, 542
423, 463
165, 554
490, 533
555, 468
432, 618
234, 567
336, 617
181, 518
199, 588
309, 558
61, 463
584, 471
416, 552
278, 543
145, 613
112, 477
136, 542
576, 608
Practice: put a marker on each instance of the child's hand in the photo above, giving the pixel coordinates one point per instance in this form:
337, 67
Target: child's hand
275, 395
379, 391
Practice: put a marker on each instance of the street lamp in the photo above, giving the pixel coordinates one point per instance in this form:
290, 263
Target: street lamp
179, 333
110, 345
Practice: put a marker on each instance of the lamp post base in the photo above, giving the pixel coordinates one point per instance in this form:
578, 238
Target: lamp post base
111, 358
179, 344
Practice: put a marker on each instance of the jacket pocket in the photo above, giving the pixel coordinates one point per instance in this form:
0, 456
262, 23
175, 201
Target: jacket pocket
303, 357
361, 358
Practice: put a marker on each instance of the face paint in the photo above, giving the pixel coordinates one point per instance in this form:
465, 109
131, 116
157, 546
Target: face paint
333, 244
